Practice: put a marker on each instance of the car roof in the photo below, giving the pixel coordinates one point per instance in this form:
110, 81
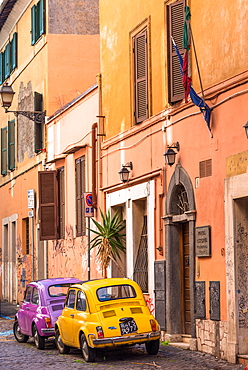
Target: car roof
97, 283
52, 281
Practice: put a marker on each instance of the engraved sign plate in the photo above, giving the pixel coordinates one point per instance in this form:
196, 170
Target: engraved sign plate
202, 241
200, 302
214, 300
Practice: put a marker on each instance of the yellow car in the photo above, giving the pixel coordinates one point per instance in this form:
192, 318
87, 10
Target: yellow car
105, 313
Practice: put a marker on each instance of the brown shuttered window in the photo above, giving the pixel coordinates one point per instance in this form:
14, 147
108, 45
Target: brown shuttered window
140, 77
205, 168
175, 22
80, 190
48, 204
61, 187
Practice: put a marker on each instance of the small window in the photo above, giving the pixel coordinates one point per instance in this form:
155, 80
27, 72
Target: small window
26, 236
35, 297
70, 302
28, 294
81, 301
115, 292
58, 290
205, 168
37, 21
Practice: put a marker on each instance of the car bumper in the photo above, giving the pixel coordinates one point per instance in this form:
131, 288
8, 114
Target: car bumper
144, 337
49, 331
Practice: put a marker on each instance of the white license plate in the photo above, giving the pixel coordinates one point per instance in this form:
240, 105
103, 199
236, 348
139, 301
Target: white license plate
128, 327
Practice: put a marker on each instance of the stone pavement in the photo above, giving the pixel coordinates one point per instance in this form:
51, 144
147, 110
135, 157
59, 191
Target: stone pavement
14, 355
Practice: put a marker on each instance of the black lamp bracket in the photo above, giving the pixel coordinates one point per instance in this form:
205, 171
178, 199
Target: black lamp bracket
129, 164
38, 117
175, 146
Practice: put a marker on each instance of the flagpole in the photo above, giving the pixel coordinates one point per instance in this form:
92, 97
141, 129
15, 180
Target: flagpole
199, 74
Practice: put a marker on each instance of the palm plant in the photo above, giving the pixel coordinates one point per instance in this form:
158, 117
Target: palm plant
109, 240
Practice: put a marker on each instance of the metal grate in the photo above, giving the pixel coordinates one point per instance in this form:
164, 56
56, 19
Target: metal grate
141, 264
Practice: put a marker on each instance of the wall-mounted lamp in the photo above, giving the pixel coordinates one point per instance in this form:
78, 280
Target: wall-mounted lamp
6, 96
246, 129
124, 172
170, 155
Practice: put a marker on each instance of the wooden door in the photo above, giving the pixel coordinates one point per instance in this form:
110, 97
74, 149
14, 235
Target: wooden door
185, 280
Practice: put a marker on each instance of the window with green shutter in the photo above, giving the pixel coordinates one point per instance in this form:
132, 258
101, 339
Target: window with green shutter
1, 69
175, 22
11, 145
37, 21
140, 77
4, 151
14, 52
38, 126
8, 60
80, 190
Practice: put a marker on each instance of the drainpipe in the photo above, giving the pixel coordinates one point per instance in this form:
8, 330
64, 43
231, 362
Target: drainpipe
93, 136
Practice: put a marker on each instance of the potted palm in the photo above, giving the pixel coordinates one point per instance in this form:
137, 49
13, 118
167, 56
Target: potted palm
109, 240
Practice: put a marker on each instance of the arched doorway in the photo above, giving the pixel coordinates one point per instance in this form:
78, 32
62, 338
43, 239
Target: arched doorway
180, 256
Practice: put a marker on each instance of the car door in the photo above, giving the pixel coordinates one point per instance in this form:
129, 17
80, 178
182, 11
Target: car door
67, 318
81, 315
33, 307
24, 311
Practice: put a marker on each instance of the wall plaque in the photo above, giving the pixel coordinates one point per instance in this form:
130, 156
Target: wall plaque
202, 241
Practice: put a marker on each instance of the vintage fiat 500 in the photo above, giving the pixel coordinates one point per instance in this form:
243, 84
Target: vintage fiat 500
105, 313
43, 303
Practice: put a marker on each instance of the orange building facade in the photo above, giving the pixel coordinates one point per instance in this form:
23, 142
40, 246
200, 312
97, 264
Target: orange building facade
192, 265
48, 59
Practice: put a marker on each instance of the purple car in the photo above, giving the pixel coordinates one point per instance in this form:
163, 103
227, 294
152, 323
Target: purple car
42, 305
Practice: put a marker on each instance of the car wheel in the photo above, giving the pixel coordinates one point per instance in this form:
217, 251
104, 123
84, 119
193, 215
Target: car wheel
38, 340
88, 352
21, 338
63, 348
152, 347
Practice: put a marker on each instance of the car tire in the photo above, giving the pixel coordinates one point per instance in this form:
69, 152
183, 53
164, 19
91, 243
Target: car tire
152, 347
21, 338
63, 348
89, 353
38, 340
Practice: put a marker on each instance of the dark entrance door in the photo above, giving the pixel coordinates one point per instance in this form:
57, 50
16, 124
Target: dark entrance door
185, 280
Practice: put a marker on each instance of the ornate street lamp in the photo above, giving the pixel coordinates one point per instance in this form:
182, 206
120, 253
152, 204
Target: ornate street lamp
6, 96
170, 154
124, 172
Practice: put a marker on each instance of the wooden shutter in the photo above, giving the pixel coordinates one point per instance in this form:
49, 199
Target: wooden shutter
80, 189
141, 81
4, 151
205, 168
41, 15
61, 184
48, 204
38, 127
7, 61
33, 25
1, 69
14, 52
11, 144
175, 20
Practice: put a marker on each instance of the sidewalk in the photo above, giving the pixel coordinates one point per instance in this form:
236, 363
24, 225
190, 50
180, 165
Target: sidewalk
8, 309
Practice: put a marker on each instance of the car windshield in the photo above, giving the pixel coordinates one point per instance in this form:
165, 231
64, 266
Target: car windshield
58, 290
115, 292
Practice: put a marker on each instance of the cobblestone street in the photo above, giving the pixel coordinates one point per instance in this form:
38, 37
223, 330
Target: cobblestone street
14, 355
